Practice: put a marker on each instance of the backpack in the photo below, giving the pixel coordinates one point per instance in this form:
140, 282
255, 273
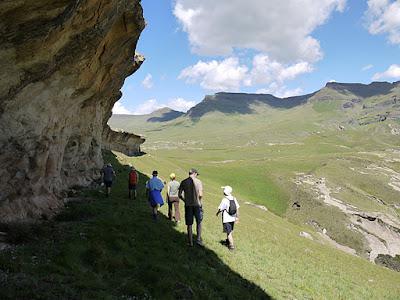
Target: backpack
132, 177
232, 207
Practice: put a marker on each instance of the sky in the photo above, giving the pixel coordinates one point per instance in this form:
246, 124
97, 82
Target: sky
195, 48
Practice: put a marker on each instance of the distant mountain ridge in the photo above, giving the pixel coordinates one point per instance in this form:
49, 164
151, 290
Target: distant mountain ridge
243, 103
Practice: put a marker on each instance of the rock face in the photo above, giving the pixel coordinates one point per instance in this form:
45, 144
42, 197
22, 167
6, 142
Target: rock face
63, 63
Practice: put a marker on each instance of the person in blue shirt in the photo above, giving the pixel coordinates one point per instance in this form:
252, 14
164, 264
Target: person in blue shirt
154, 187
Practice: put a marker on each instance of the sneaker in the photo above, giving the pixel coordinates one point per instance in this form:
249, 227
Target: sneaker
231, 248
199, 243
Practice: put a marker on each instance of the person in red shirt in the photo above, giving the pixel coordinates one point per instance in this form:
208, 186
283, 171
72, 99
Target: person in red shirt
133, 180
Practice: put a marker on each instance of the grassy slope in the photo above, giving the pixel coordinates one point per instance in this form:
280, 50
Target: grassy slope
260, 154
110, 248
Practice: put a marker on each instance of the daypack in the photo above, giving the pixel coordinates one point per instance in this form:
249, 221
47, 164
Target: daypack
232, 207
132, 177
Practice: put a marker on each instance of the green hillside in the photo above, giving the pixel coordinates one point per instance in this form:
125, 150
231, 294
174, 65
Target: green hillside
276, 155
109, 248
328, 165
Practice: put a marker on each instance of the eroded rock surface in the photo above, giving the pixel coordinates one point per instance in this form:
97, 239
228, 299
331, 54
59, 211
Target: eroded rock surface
62, 64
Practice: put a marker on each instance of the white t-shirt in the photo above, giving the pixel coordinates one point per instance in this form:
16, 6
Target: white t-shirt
224, 207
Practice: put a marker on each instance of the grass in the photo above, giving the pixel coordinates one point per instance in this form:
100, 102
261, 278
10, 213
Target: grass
109, 248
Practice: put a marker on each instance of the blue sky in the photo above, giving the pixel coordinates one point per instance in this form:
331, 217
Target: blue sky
199, 47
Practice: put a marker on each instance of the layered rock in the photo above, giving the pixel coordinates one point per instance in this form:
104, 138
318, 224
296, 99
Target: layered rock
63, 63
124, 142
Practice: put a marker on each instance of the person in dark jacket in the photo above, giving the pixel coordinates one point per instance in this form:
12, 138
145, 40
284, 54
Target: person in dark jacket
191, 192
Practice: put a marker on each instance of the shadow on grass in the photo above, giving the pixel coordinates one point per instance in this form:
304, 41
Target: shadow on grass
117, 252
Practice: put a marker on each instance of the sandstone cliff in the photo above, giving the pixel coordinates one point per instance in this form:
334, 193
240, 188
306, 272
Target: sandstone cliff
62, 65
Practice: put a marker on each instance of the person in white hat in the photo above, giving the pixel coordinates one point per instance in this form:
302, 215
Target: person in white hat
230, 214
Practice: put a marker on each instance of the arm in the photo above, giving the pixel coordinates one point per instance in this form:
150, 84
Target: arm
180, 191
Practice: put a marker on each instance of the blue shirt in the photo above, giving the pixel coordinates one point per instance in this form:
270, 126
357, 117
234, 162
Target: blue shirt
154, 184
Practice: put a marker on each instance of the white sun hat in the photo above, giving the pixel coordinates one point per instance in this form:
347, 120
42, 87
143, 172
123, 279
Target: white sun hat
227, 190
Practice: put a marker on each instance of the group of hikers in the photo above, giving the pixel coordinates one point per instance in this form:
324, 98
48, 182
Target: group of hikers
190, 191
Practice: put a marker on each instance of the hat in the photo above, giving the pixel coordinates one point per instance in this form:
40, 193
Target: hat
109, 165
193, 170
172, 176
155, 172
227, 190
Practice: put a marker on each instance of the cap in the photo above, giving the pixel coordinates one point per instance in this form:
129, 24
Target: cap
155, 172
172, 176
227, 190
193, 170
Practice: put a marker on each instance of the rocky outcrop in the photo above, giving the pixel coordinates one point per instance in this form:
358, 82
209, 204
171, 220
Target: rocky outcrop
125, 142
63, 63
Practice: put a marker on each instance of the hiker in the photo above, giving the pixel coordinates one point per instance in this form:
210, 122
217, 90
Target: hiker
191, 192
108, 175
173, 199
154, 187
230, 215
133, 180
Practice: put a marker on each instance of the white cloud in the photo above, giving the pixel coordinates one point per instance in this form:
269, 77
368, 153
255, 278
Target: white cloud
280, 28
151, 105
180, 104
367, 67
119, 109
265, 70
280, 91
148, 81
392, 72
229, 75
148, 107
383, 17
226, 75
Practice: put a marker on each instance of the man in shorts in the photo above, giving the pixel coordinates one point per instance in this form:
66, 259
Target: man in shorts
230, 215
108, 175
191, 192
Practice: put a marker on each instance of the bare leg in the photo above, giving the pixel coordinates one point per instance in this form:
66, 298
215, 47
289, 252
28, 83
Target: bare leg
230, 239
198, 231
190, 235
108, 191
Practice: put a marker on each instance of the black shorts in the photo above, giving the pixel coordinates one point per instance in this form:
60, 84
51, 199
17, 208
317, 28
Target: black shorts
132, 186
193, 211
108, 183
228, 227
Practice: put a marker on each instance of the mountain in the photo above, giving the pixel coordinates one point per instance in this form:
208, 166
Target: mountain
242, 103
164, 114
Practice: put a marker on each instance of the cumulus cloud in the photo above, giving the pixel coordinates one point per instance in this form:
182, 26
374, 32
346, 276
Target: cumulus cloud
151, 105
280, 28
148, 81
230, 75
181, 104
392, 72
383, 17
120, 109
265, 70
280, 91
148, 107
225, 75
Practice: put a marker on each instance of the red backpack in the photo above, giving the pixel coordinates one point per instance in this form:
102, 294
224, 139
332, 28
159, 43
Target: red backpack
132, 177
